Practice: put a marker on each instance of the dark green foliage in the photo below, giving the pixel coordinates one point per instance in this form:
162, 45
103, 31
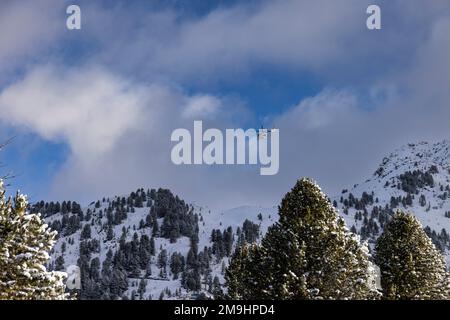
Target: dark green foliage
308, 254
411, 182
411, 266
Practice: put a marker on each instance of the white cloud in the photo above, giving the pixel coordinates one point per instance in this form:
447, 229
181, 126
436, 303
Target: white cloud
118, 128
88, 109
28, 29
340, 136
326, 37
118, 131
229, 41
329, 107
202, 106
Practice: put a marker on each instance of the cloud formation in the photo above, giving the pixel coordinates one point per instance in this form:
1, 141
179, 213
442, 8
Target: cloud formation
28, 30
88, 109
118, 131
327, 38
117, 108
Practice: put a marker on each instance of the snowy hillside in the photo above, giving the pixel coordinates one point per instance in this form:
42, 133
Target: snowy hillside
414, 178
159, 246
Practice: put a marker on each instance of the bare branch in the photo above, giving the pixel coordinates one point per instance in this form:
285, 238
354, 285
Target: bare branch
7, 142
9, 175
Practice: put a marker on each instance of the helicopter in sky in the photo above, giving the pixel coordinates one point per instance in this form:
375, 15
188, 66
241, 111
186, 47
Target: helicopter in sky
263, 132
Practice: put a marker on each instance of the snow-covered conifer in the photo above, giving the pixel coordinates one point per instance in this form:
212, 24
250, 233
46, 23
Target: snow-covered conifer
308, 254
411, 266
25, 241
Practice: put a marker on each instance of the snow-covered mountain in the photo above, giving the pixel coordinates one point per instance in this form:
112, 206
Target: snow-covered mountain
154, 236
414, 178
150, 244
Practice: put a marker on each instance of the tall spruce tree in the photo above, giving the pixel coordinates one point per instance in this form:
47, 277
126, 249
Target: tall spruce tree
308, 254
411, 266
25, 241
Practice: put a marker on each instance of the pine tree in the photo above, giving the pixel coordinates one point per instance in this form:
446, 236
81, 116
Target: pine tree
308, 254
216, 289
109, 233
411, 266
142, 289
25, 241
86, 232
162, 258
148, 269
59, 263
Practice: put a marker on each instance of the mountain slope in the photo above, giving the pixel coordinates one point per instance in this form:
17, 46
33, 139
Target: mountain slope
145, 232
414, 178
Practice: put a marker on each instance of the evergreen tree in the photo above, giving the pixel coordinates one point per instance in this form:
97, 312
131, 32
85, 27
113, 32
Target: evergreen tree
59, 263
95, 269
148, 269
119, 282
86, 232
176, 264
109, 233
24, 245
144, 251
162, 258
142, 289
411, 266
308, 254
152, 246
216, 288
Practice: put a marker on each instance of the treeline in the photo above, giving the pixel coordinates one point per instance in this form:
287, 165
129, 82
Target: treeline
125, 272
138, 259
50, 208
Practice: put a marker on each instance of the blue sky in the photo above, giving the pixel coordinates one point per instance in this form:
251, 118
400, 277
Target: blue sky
92, 110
